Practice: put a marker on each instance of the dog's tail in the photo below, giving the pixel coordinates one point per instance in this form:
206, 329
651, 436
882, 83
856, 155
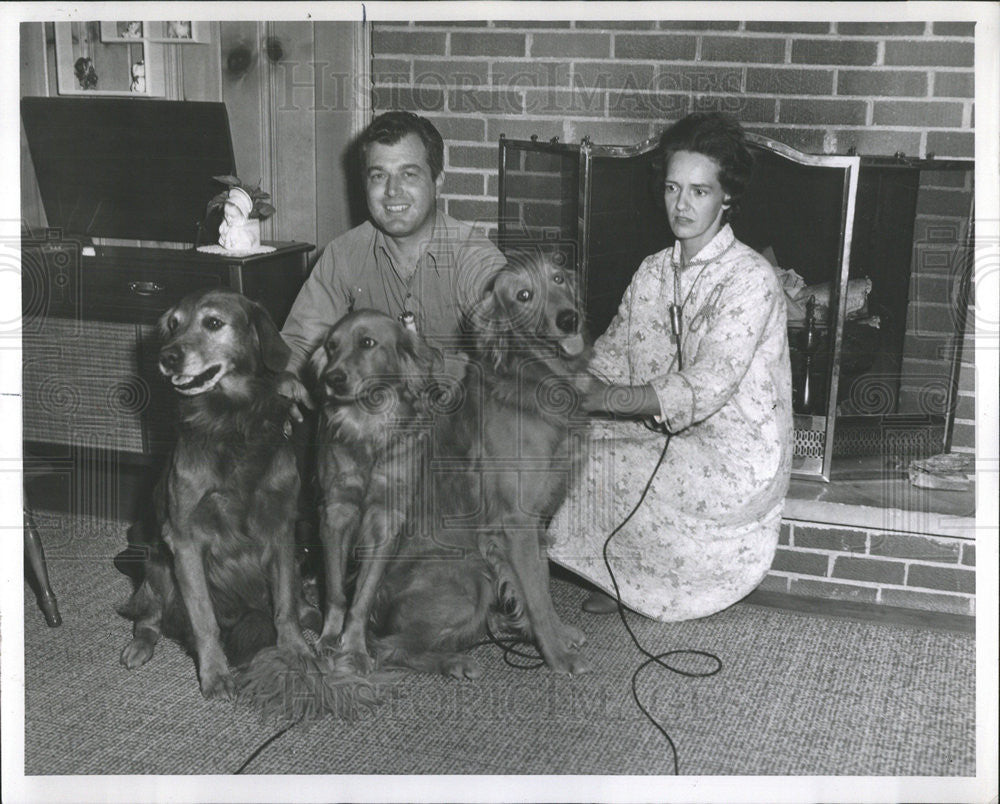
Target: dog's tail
288, 686
251, 633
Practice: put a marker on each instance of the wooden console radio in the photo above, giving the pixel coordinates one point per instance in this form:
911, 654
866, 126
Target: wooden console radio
114, 169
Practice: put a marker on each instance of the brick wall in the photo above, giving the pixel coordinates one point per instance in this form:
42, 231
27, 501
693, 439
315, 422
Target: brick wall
875, 566
940, 260
821, 87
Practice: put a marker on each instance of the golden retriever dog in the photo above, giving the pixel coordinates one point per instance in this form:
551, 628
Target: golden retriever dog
373, 380
500, 467
220, 574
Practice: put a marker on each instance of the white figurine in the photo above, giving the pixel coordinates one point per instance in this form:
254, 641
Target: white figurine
238, 231
138, 77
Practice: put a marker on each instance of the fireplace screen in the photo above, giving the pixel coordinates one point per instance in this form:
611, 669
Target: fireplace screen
847, 312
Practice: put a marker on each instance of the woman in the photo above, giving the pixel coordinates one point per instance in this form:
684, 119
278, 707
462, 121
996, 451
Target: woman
706, 533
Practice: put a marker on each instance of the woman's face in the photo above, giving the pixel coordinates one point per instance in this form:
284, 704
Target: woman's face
695, 200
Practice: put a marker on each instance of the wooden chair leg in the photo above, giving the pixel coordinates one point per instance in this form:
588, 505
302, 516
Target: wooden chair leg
36, 557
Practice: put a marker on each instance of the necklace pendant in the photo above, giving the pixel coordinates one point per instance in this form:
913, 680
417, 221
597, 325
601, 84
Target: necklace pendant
408, 320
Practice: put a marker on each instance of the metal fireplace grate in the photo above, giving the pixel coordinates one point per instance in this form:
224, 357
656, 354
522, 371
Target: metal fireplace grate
902, 436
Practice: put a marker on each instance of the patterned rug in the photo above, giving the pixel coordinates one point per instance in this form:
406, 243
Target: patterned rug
797, 695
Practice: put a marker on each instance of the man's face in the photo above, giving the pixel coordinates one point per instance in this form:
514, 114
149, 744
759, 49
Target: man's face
402, 196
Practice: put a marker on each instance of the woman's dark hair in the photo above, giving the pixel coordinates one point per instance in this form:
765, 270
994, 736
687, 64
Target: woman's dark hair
390, 127
716, 135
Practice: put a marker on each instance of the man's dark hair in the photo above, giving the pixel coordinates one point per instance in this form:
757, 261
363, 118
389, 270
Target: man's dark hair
716, 135
390, 127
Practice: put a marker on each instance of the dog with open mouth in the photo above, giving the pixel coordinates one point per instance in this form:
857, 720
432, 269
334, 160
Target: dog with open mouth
500, 466
219, 572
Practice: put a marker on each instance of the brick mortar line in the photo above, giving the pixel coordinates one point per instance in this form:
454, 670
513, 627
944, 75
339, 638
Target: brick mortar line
773, 65
957, 564
906, 562
611, 60
865, 584
854, 127
732, 93
830, 127
868, 584
914, 99
879, 598
833, 36
794, 523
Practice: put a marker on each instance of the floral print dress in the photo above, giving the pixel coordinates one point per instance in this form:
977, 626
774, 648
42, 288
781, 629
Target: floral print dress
706, 533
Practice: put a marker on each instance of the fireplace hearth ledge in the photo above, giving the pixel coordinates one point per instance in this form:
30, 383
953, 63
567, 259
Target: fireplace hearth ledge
859, 495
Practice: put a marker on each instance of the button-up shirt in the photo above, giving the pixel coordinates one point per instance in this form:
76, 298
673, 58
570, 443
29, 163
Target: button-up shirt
357, 271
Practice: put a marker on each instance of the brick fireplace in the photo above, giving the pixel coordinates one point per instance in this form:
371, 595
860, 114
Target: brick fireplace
877, 89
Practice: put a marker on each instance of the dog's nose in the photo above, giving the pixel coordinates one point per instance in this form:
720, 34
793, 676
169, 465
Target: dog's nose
567, 320
336, 380
170, 358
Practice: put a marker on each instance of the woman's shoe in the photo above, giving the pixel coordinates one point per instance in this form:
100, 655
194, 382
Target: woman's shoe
600, 603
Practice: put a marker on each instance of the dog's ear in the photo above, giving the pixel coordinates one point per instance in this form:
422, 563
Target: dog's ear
318, 361
489, 325
418, 361
274, 352
163, 325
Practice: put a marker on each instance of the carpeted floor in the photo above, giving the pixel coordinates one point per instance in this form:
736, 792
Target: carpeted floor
798, 695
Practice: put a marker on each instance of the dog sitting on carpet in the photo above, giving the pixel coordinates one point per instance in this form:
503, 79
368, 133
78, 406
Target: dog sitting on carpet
500, 467
220, 572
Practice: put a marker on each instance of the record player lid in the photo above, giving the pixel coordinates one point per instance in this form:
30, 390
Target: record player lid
127, 168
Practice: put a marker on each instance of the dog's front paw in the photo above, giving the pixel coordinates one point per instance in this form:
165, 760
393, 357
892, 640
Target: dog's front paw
217, 683
572, 637
328, 644
333, 624
570, 662
136, 653
294, 642
458, 665
354, 661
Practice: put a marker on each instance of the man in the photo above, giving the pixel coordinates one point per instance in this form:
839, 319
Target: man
409, 257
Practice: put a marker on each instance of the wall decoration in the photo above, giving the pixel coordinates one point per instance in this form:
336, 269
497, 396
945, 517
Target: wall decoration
94, 58
122, 31
181, 32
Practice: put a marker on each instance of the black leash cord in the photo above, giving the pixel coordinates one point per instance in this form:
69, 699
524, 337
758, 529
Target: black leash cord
508, 645
505, 644
260, 748
652, 658
508, 650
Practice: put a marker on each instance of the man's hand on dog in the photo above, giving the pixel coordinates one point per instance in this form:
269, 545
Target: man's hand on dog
291, 387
